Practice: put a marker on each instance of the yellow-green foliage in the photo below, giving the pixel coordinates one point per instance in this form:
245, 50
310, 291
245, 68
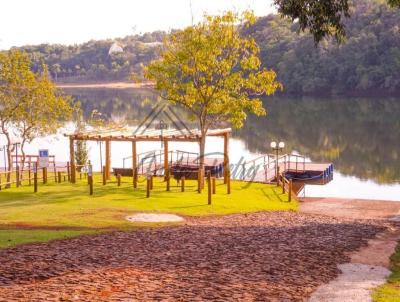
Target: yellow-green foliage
60, 210
214, 70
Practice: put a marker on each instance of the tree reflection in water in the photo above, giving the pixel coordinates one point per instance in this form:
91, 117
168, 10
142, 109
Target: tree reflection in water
360, 136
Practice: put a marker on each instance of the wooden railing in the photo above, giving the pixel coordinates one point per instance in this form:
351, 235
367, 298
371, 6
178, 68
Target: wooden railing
287, 186
25, 176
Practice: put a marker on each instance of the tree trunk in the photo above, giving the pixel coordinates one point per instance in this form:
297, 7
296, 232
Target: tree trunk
22, 160
202, 146
9, 159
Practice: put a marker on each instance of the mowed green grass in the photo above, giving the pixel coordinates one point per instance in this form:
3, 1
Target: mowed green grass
67, 210
390, 291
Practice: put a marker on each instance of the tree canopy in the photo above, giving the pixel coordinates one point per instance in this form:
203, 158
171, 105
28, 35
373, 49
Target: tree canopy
30, 104
321, 18
214, 71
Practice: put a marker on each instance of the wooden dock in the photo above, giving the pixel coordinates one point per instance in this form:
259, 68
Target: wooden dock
295, 167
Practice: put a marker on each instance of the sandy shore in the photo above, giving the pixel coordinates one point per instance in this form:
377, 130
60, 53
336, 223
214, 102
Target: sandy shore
351, 208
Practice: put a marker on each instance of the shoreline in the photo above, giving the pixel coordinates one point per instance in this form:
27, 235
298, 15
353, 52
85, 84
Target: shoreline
109, 85
351, 208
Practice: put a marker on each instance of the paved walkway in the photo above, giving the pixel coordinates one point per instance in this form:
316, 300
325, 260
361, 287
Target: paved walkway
369, 266
275, 256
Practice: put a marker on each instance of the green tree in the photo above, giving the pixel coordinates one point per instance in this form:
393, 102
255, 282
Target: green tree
42, 111
81, 150
214, 71
321, 17
30, 104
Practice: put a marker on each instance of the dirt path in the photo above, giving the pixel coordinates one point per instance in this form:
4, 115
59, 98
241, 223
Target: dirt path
369, 266
275, 256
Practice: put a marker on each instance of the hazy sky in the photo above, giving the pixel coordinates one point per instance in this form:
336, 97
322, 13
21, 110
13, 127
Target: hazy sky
74, 21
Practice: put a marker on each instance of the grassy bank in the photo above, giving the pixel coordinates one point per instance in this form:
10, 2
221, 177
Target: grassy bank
390, 291
65, 210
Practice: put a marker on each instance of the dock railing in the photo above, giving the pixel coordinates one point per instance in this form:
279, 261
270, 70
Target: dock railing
287, 185
269, 163
154, 160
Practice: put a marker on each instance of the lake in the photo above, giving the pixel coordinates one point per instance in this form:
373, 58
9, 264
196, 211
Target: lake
360, 136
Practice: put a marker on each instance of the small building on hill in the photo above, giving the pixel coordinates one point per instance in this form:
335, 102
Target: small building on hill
115, 48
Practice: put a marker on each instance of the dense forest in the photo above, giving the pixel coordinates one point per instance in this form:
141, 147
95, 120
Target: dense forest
368, 62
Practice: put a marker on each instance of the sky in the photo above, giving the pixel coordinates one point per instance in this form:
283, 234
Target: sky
31, 22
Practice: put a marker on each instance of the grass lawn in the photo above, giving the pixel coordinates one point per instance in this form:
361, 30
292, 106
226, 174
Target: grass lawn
390, 292
66, 210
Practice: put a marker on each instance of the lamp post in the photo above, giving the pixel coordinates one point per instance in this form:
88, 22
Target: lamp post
277, 148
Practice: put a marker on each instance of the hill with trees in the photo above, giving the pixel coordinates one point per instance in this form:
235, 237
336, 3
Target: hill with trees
368, 62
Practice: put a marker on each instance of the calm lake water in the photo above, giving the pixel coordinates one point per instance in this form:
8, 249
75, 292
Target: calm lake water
360, 136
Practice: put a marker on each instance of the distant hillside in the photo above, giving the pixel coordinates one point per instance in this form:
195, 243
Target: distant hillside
96, 61
368, 63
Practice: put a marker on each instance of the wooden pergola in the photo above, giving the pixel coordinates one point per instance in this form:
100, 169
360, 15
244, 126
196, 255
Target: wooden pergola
134, 135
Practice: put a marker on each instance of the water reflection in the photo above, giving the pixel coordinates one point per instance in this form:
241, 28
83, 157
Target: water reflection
360, 136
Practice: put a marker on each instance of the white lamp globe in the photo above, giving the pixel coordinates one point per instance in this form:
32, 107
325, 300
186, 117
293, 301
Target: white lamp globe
281, 145
273, 145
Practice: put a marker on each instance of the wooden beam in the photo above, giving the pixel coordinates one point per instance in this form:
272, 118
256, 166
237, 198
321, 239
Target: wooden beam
166, 164
134, 164
108, 159
149, 135
226, 156
72, 159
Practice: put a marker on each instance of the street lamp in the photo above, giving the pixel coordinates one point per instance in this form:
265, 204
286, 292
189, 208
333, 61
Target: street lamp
277, 148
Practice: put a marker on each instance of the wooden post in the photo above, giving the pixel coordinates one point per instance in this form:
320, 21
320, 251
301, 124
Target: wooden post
29, 172
44, 175
108, 159
209, 187
226, 157
55, 170
166, 163
148, 186
290, 189
199, 181
59, 177
283, 184
90, 180
17, 175
214, 189
183, 184
151, 182
72, 159
104, 176
69, 171
134, 164
228, 182
119, 180
168, 180
35, 178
